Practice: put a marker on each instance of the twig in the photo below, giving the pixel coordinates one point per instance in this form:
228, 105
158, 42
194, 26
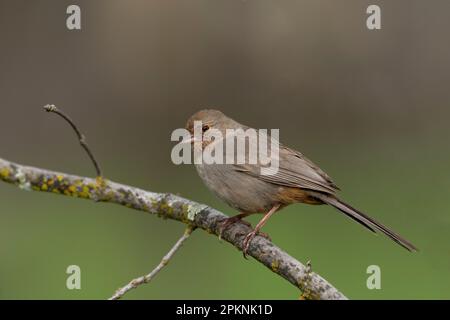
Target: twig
172, 207
52, 108
133, 284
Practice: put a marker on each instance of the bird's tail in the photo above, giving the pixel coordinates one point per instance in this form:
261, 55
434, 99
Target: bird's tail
365, 220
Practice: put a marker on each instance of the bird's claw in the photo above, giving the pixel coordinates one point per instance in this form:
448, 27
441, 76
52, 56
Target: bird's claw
246, 244
249, 237
225, 223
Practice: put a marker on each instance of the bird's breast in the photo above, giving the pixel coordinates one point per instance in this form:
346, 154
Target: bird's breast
239, 190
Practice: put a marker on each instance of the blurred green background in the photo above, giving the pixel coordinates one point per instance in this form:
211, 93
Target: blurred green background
370, 107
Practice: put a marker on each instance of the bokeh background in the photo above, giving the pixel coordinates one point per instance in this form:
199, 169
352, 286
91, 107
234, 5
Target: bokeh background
370, 107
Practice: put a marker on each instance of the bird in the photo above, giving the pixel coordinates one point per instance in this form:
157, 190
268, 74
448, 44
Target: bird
243, 187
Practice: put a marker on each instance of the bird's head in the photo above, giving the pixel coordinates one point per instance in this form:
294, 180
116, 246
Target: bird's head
209, 119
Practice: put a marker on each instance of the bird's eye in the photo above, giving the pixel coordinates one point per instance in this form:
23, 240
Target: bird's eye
205, 128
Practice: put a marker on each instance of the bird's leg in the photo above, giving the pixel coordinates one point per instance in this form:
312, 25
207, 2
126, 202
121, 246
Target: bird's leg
225, 223
260, 224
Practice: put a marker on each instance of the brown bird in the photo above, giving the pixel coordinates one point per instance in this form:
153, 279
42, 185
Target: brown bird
298, 180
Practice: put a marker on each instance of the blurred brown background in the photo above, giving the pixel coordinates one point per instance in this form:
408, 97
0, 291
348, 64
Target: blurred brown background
370, 107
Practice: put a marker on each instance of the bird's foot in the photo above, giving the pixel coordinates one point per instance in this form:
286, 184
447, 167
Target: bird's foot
246, 244
249, 237
225, 223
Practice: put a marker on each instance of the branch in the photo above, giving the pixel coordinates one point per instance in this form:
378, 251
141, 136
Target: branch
173, 207
81, 138
147, 278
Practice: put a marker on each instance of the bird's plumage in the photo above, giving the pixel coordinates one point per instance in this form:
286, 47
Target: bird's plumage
298, 180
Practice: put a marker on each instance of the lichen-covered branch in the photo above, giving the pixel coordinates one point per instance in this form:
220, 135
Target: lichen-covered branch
173, 207
133, 284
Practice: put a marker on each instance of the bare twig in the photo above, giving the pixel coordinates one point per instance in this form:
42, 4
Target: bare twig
133, 284
52, 108
172, 207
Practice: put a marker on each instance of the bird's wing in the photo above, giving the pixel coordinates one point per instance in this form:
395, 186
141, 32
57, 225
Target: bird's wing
313, 166
295, 170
